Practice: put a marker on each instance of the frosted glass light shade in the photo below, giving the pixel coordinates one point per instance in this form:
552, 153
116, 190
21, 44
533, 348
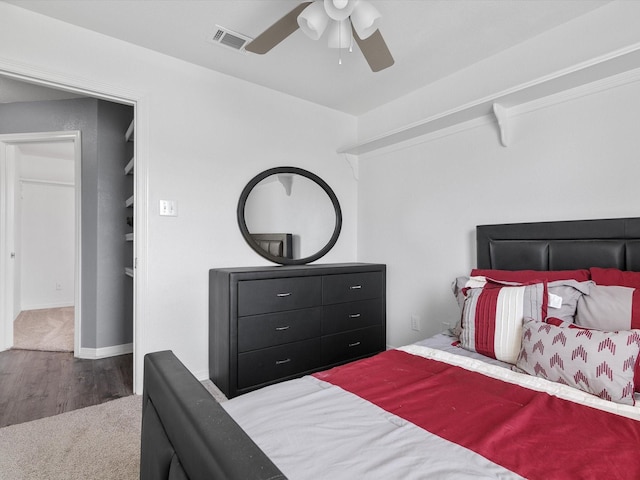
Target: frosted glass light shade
313, 20
365, 19
339, 34
339, 10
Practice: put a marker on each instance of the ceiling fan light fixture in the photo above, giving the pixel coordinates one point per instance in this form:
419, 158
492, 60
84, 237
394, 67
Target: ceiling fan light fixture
313, 20
365, 19
339, 34
339, 9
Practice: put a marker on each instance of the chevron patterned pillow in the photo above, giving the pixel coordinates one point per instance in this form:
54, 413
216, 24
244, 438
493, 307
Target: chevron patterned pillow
597, 362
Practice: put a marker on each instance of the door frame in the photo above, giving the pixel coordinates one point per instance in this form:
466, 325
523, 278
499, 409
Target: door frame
9, 181
139, 101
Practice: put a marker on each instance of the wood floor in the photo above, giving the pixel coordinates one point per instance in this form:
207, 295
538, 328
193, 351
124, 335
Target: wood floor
35, 384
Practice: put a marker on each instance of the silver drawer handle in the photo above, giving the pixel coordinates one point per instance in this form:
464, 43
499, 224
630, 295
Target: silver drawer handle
355, 287
354, 344
354, 315
284, 294
280, 329
280, 362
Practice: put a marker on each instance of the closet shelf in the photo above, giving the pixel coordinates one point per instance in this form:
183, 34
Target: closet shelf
128, 170
129, 202
129, 135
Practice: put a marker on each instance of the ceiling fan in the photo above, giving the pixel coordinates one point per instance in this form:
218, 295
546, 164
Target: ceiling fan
344, 21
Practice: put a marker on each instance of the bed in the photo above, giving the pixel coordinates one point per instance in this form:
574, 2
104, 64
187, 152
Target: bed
479, 402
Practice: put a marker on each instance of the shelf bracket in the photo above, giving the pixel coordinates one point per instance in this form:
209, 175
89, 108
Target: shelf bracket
352, 160
502, 115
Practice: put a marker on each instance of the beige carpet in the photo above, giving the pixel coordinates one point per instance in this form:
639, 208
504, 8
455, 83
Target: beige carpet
96, 443
214, 391
49, 329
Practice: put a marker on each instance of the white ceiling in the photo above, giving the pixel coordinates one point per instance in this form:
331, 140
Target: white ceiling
429, 39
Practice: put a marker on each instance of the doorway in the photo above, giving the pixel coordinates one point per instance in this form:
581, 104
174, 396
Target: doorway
138, 101
40, 217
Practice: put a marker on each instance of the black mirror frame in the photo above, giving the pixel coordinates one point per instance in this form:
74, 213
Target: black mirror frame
254, 245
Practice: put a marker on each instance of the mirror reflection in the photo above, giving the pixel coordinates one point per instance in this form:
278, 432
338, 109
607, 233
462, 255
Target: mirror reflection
290, 216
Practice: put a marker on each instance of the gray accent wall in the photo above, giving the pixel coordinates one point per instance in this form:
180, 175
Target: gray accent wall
107, 294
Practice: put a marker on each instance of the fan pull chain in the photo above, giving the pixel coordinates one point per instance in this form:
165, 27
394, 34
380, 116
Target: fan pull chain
339, 46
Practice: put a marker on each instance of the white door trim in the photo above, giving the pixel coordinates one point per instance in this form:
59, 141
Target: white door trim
7, 223
139, 100
7, 247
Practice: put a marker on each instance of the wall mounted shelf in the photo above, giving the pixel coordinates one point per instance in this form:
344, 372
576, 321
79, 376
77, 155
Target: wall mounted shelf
128, 169
129, 134
605, 72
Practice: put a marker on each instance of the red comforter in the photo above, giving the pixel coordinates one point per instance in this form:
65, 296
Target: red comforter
531, 433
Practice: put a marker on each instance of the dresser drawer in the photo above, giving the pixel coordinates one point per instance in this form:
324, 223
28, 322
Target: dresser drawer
342, 347
350, 316
273, 363
278, 294
351, 287
271, 329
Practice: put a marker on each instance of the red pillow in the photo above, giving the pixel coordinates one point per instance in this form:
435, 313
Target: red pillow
523, 276
613, 276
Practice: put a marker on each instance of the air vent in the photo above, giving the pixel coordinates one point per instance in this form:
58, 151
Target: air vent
228, 38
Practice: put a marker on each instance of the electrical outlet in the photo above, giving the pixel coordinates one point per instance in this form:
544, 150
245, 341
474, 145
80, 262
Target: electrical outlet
58, 286
415, 322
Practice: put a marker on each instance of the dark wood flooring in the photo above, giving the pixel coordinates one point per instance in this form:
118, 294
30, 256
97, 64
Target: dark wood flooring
36, 384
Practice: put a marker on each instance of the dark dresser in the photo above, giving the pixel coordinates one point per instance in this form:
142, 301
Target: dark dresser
269, 324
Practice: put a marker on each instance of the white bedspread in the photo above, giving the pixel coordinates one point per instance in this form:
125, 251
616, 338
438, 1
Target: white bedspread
314, 430
324, 432
366, 441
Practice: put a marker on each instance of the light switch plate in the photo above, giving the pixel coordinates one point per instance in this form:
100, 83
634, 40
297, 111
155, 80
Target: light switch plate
168, 208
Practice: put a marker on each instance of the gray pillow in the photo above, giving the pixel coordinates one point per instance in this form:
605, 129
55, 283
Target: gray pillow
607, 308
570, 291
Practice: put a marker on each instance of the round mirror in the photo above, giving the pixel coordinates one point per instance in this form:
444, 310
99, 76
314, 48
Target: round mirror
289, 215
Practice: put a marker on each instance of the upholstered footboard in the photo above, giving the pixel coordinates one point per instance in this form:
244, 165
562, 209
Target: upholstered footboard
186, 434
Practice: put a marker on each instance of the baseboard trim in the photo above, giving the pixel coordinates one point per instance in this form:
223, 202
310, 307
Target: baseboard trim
44, 306
201, 375
104, 352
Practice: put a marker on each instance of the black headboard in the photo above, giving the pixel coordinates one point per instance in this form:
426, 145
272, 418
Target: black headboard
566, 245
277, 244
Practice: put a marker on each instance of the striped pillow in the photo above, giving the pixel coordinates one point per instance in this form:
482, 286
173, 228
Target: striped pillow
492, 317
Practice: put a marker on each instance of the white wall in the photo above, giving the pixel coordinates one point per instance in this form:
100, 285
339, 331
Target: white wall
204, 136
47, 231
419, 205
47, 251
